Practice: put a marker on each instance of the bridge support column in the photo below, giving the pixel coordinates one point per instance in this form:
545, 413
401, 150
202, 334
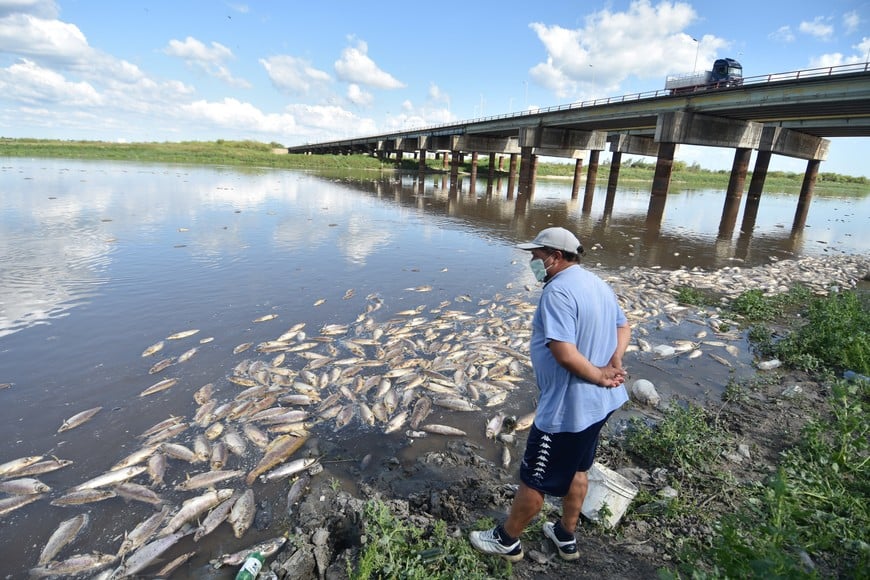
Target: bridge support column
473, 166
612, 180
578, 175
734, 191
422, 165
454, 166
491, 167
526, 163
512, 176
806, 195
591, 178
753, 196
664, 167
444, 157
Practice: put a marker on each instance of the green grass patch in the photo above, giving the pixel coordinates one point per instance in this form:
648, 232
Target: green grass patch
399, 549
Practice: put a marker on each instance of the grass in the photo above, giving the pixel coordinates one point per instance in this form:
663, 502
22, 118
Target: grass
256, 154
398, 549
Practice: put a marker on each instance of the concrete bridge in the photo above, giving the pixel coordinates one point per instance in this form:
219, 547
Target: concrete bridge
792, 114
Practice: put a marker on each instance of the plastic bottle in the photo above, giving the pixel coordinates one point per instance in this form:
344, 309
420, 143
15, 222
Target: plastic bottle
251, 567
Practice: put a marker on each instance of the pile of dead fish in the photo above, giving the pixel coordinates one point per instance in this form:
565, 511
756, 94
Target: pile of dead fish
248, 424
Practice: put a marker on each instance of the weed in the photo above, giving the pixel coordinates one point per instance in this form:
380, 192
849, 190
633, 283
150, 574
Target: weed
688, 438
398, 549
695, 297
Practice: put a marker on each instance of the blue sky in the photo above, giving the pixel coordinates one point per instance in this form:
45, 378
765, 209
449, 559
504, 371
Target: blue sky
294, 72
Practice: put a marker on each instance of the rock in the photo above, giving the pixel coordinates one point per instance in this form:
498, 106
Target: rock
634, 474
645, 392
792, 391
743, 449
669, 492
300, 564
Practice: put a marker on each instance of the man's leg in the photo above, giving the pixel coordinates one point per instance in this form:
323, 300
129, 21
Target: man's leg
573, 501
526, 505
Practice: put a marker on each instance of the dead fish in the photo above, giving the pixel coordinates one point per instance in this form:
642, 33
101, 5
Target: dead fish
219, 455
23, 486
266, 548
256, 435
164, 424
348, 294
493, 426
78, 419
111, 477
204, 393
65, 533
243, 347
83, 496
443, 430
209, 478
277, 452
179, 451
288, 469
242, 515
145, 555
345, 414
161, 365
136, 457
215, 517
296, 491
193, 507
171, 566
182, 334
421, 410
719, 359
157, 468
10, 504
156, 347
187, 355
142, 532
10, 467
137, 492
455, 403
74, 566
319, 301
41, 467
266, 318
396, 423
214, 431
159, 386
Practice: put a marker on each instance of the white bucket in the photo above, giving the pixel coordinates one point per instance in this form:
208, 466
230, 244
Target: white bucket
606, 487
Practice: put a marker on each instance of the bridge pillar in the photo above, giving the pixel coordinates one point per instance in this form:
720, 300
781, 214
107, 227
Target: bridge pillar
806, 194
492, 167
734, 192
664, 166
444, 159
422, 165
578, 175
473, 167
512, 175
591, 178
526, 156
612, 180
753, 196
455, 160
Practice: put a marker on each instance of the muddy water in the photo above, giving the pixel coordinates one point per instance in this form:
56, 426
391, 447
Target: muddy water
101, 260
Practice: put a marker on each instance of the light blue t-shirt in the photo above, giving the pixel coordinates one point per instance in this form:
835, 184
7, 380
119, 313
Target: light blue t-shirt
578, 307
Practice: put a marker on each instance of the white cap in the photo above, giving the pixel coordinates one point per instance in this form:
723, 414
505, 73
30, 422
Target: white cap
555, 238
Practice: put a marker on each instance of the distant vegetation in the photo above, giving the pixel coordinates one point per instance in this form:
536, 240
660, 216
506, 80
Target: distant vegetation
256, 154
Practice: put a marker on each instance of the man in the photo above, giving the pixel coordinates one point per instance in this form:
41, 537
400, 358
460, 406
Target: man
579, 336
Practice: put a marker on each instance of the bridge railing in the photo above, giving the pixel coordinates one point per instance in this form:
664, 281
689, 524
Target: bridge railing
753, 80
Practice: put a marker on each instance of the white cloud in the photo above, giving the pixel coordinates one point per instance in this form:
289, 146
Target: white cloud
355, 66
851, 21
818, 28
643, 38
782, 34
294, 75
29, 83
41, 8
36, 37
358, 96
208, 59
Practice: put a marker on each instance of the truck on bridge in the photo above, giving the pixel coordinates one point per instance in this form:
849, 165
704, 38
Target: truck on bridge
726, 72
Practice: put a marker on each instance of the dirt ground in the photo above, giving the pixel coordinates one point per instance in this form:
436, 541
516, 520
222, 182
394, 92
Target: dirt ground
460, 487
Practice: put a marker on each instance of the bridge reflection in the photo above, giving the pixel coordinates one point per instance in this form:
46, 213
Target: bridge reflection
629, 236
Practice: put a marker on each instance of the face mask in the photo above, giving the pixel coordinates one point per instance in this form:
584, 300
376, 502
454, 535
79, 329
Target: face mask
538, 269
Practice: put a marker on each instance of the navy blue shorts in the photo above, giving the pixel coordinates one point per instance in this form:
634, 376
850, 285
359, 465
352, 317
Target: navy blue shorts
552, 459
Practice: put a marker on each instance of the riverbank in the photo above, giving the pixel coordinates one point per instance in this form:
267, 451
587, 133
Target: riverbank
263, 155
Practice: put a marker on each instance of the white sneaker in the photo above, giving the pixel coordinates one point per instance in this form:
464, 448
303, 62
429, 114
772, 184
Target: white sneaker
567, 550
489, 542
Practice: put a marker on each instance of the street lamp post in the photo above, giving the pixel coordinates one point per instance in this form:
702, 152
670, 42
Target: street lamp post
697, 49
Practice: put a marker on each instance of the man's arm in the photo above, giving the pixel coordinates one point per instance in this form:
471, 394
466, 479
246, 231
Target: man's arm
567, 355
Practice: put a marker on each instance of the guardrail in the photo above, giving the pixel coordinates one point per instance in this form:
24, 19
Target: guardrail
753, 80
